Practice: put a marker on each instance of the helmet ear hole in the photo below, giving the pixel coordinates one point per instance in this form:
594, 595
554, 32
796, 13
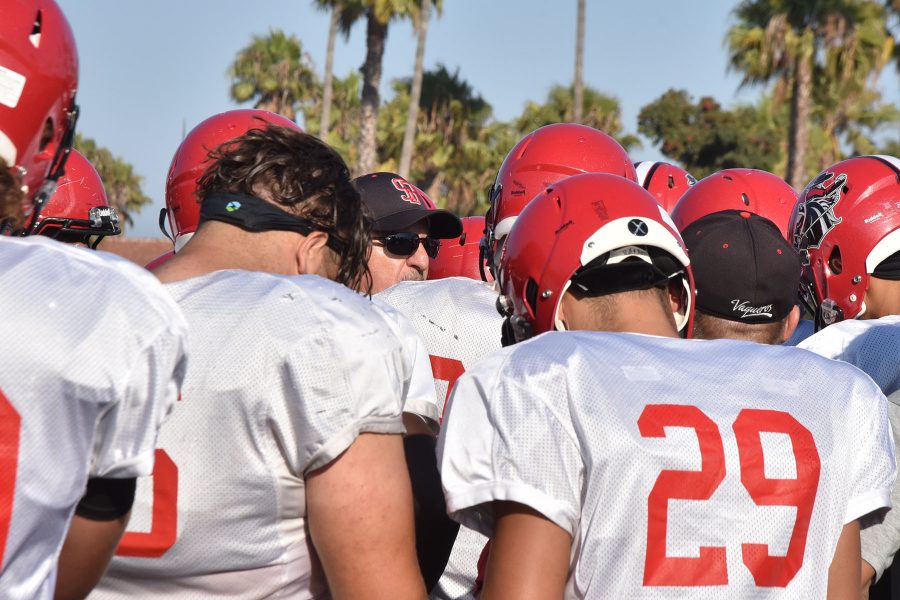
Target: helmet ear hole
835, 264
46, 135
531, 289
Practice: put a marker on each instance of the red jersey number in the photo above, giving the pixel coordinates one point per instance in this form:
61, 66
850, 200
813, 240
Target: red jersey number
10, 426
446, 369
710, 567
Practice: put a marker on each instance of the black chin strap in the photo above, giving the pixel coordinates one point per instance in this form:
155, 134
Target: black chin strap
254, 214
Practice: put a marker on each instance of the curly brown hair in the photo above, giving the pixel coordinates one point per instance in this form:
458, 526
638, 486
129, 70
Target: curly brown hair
12, 199
304, 176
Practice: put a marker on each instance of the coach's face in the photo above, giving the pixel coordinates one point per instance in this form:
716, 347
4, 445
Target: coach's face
390, 269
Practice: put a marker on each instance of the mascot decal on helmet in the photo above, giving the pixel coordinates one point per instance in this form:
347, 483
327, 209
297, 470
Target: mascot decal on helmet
816, 215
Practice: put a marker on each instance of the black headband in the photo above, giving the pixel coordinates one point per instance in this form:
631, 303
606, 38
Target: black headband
254, 214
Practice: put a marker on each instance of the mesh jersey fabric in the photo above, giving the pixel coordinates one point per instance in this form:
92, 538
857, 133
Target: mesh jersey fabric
92, 357
558, 423
459, 324
418, 389
285, 373
872, 345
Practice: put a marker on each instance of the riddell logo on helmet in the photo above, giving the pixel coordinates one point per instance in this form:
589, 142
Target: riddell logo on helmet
747, 311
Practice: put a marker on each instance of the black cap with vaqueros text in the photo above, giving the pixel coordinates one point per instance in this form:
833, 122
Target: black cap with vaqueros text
744, 270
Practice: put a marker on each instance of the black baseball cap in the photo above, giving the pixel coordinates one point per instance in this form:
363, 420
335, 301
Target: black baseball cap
744, 269
396, 205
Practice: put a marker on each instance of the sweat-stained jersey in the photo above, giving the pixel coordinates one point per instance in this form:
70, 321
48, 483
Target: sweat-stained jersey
284, 374
91, 359
459, 324
873, 346
681, 469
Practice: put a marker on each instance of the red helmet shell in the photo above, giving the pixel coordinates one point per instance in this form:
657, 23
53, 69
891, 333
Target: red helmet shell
545, 156
39, 66
459, 257
78, 206
567, 226
191, 160
752, 190
851, 210
665, 181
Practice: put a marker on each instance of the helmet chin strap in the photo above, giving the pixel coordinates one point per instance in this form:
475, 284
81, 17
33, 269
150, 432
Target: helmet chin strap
682, 318
558, 323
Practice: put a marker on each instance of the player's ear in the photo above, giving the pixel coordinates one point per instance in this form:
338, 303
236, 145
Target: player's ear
312, 255
790, 324
677, 298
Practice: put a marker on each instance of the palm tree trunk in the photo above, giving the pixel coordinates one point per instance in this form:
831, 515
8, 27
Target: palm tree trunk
578, 96
799, 128
328, 86
415, 92
376, 35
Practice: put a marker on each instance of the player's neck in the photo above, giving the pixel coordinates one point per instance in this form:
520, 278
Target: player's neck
219, 247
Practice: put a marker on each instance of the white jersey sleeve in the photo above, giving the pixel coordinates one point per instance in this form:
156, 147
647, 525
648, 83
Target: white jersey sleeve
419, 397
127, 432
90, 362
484, 409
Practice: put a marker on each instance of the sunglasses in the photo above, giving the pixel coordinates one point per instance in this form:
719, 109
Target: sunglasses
406, 243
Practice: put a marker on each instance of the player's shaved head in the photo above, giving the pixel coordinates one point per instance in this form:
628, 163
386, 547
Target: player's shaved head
708, 327
621, 311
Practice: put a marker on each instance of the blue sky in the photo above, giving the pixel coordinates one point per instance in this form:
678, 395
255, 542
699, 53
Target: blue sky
150, 69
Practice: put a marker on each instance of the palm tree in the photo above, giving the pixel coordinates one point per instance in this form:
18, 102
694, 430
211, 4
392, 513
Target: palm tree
123, 186
274, 72
342, 15
786, 41
378, 14
601, 112
416, 89
579, 65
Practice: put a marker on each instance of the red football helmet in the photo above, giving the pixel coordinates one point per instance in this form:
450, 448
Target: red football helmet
573, 222
667, 182
190, 161
39, 71
78, 210
846, 222
540, 159
460, 257
752, 190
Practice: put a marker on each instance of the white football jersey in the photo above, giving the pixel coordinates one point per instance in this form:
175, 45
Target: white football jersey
284, 374
457, 319
681, 469
419, 397
91, 361
871, 345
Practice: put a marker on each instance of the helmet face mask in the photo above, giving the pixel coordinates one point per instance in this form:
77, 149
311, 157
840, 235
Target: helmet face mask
570, 226
540, 159
846, 222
